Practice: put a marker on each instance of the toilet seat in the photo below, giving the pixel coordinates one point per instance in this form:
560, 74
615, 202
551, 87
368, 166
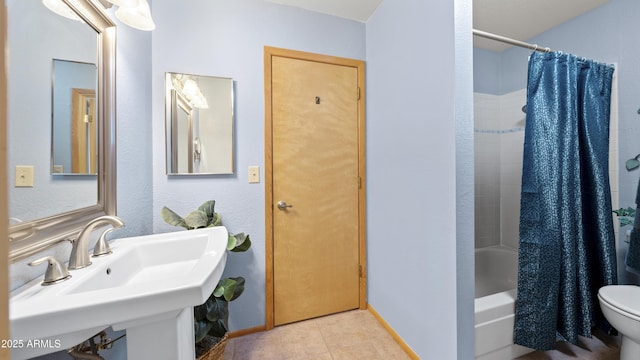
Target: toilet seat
623, 298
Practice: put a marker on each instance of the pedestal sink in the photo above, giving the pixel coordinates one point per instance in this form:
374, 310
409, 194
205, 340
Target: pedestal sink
148, 286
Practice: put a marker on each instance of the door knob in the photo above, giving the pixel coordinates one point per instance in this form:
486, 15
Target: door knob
283, 205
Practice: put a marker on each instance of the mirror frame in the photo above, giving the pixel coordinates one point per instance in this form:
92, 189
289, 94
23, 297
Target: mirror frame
28, 238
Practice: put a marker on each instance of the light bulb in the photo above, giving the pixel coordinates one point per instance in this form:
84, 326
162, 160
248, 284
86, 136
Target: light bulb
60, 8
138, 17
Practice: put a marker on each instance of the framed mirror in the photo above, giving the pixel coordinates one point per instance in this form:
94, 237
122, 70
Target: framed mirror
199, 124
73, 44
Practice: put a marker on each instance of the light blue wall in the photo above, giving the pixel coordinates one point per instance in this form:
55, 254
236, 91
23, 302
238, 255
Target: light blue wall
486, 71
226, 38
134, 123
411, 173
606, 34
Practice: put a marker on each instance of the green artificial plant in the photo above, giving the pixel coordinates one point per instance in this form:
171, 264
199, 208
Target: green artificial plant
626, 216
212, 317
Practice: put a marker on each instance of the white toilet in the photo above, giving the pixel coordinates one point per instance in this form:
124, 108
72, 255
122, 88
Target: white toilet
620, 305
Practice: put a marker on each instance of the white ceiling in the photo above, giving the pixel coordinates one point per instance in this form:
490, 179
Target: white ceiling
524, 19
359, 10
517, 19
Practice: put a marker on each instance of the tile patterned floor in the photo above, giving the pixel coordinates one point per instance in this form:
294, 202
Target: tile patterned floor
357, 335
353, 335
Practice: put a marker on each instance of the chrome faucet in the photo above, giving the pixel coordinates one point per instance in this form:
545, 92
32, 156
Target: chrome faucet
80, 250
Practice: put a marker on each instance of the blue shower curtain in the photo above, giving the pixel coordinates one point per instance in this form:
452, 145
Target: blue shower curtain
567, 245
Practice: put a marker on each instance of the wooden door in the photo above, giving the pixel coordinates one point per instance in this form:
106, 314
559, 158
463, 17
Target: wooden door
315, 176
84, 157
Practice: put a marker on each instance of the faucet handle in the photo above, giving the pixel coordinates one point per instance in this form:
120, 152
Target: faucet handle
102, 246
56, 272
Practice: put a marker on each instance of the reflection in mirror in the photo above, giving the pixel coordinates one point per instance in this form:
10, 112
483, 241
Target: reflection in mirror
199, 124
182, 137
74, 127
32, 67
56, 207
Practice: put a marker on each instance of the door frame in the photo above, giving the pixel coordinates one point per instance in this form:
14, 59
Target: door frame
4, 203
270, 52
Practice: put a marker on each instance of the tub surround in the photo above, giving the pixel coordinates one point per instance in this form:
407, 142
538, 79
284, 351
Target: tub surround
496, 280
498, 140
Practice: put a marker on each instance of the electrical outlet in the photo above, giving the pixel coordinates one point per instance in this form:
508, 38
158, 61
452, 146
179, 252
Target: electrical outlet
254, 174
24, 176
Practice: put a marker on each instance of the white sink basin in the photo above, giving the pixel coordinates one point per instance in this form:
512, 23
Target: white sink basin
146, 278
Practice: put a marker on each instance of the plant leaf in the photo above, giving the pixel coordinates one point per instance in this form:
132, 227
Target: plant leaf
622, 212
208, 207
243, 243
218, 309
231, 242
218, 317
229, 290
219, 328
225, 289
626, 216
219, 290
172, 218
196, 219
200, 311
238, 288
201, 328
216, 220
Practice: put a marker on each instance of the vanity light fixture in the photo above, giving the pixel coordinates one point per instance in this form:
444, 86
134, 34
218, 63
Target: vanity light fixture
138, 16
192, 92
189, 88
60, 8
135, 13
125, 3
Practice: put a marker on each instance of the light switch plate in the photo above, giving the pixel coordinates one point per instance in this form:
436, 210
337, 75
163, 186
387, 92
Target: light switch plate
254, 174
24, 176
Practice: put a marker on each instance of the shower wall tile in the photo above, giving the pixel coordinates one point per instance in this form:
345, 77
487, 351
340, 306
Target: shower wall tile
511, 151
510, 215
511, 115
487, 111
487, 222
487, 170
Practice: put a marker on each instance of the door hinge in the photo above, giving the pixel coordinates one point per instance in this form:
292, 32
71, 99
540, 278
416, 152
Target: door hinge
358, 92
360, 271
359, 182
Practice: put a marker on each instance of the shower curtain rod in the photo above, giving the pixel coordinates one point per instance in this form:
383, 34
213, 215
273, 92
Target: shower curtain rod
510, 41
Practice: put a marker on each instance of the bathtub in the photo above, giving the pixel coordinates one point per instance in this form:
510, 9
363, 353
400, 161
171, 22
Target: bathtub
496, 279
